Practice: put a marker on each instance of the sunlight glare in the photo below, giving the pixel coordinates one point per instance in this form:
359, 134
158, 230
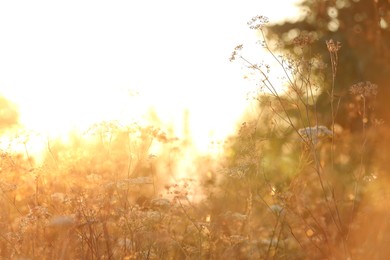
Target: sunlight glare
69, 65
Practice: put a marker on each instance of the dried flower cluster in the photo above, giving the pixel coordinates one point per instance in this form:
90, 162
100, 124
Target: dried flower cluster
303, 40
364, 88
235, 52
333, 46
257, 22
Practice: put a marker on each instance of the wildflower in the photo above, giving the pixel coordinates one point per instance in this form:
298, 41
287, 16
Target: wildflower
235, 172
365, 89
124, 184
62, 221
40, 211
235, 52
257, 22
332, 46
6, 187
315, 132
154, 216
303, 40
160, 203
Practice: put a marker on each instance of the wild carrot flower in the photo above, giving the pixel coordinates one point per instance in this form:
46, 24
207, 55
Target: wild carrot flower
365, 89
257, 22
314, 133
235, 52
62, 221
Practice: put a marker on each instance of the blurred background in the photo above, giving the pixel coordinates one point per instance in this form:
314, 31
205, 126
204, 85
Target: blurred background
68, 65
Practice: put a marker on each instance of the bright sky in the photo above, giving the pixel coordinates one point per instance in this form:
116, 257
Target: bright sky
68, 64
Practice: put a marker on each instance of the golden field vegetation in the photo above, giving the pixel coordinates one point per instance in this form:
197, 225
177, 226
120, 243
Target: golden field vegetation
291, 184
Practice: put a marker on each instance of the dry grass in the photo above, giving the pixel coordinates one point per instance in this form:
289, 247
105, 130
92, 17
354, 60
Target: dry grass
291, 185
